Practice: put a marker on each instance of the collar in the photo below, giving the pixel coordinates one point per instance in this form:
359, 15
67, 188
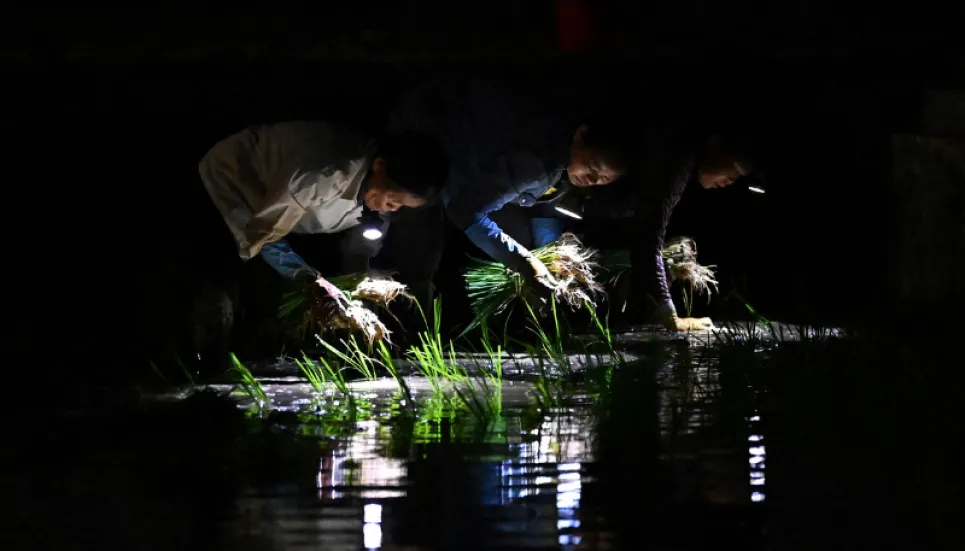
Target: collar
360, 195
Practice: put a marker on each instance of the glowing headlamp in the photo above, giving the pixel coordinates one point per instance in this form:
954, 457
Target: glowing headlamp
570, 205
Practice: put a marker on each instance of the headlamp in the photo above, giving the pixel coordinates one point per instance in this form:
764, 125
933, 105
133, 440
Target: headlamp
570, 205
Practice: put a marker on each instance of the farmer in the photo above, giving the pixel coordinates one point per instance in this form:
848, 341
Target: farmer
505, 150
303, 178
672, 159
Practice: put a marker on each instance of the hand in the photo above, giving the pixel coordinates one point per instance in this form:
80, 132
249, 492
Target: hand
539, 290
683, 325
540, 272
332, 291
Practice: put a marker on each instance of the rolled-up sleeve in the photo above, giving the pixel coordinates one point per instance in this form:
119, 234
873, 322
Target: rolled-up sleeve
474, 198
272, 222
664, 183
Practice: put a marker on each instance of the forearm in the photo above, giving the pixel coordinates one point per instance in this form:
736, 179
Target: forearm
280, 256
486, 235
650, 274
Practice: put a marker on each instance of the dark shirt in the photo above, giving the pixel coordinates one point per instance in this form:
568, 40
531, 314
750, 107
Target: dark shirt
504, 146
668, 164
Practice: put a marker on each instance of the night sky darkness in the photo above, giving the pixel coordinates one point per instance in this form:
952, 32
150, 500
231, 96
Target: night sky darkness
111, 110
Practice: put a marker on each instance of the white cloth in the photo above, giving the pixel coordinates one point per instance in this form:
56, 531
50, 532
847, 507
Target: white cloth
303, 177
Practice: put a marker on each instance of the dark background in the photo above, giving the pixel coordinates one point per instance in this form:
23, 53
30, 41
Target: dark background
110, 109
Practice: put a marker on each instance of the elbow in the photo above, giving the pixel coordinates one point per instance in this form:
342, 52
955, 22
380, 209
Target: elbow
465, 219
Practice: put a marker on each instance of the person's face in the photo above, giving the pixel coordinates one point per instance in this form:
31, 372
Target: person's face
721, 176
589, 167
384, 195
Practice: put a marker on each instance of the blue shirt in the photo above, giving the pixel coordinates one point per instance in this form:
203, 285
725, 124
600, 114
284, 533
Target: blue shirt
503, 148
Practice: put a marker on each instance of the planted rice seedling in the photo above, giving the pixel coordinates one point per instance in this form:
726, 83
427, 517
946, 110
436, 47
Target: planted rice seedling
250, 386
483, 393
389, 364
324, 372
552, 346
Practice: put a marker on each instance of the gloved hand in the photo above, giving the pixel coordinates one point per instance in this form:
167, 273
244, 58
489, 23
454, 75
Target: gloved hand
682, 325
672, 322
331, 291
540, 273
302, 275
540, 285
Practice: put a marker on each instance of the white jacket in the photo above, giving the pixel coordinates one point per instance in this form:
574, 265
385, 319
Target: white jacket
302, 177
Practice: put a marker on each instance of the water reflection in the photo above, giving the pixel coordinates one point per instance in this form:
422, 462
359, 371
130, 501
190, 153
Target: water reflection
372, 529
521, 482
356, 467
758, 456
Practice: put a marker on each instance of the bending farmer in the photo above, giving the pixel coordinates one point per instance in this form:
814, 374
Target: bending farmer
504, 149
316, 177
671, 160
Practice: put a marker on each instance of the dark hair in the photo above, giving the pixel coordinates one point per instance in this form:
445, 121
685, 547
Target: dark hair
737, 144
416, 162
611, 138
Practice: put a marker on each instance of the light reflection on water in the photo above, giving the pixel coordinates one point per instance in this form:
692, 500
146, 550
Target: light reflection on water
531, 478
758, 457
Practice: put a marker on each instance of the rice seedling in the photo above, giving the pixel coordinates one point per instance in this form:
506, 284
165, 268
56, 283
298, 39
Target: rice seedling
332, 374
380, 291
436, 362
552, 346
339, 303
480, 394
250, 386
317, 376
603, 327
680, 261
483, 393
353, 356
336, 414
493, 289
547, 387
408, 402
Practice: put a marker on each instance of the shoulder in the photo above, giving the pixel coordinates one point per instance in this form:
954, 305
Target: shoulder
311, 132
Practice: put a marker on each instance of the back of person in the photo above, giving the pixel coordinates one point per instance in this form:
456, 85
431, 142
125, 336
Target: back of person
481, 121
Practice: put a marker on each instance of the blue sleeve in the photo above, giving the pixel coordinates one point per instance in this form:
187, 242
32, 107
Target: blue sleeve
280, 256
473, 198
486, 235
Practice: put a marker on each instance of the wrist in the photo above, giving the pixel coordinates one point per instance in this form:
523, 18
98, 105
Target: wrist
668, 315
667, 310
305, 275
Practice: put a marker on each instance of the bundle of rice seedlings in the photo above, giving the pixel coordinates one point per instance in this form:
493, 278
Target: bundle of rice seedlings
680, 254
381, 291
493, 288
680, 261
339, 303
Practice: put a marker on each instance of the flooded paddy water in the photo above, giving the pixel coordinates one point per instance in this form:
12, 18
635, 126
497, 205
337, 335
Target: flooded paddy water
766, 440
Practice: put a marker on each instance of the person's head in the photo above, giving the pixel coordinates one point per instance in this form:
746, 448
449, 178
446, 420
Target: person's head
722, 162
409, 170
598, 155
